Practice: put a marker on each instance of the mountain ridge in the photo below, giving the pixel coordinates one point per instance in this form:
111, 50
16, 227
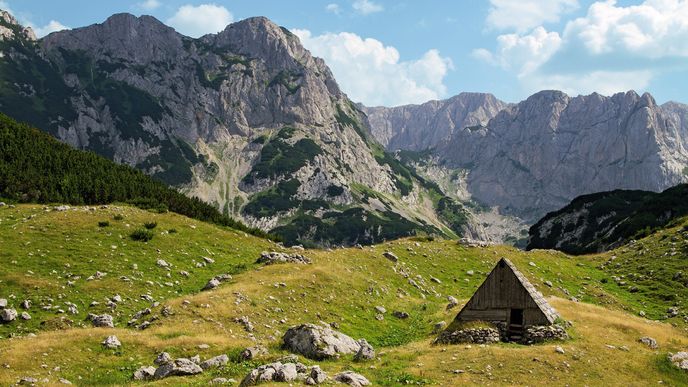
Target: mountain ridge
245, 119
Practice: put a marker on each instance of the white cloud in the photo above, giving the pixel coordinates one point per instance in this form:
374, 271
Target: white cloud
611, 48
372, 73
333, 8
654, 28
366, 7
522, 53
199, 20
52, 26
149, 5
523, 15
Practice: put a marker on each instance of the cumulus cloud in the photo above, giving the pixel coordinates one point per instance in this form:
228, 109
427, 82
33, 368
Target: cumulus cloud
655, 28
199, 20
52, 26
522, 53
372, 73
366, 7
523, 15
149, 5
333, 8
611, 48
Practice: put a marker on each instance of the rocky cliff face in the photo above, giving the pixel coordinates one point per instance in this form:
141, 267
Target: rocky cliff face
421, 127
535, 156
246, 119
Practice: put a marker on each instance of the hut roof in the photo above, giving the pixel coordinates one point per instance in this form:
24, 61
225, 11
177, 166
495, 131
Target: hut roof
539, 299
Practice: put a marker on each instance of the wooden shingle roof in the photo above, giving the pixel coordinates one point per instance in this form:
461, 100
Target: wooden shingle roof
549, 312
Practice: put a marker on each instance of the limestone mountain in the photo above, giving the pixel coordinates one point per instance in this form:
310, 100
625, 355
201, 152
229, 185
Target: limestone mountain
420, 127
245, 119
535, 156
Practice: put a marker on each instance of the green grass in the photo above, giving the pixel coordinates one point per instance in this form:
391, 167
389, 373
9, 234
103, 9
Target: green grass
46, 249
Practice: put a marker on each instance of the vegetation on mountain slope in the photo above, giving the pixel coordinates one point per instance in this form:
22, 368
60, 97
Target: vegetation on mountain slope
48, 255
601, 221
35, 167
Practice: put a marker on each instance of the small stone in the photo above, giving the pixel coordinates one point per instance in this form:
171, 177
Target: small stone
365, 352
163, 358
391, 256
111, 342
212, 284
253, 352
177, 367
351, 378
400, 314
548, 284
7, 315
215, 362
25, 316
144, 373
649, 341
380, 309
439, 326
559, 349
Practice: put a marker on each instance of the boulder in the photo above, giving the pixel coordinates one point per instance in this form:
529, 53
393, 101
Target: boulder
102, 321
215, 362
7, 315
111, 342
251, 353
351, 378
391, 256
276, 257
163, 358
453, 302
317, 375
679, 360
365, 352
275, 372
212, 284
649, 341
177, 367
144, 373
400, 314
318, 342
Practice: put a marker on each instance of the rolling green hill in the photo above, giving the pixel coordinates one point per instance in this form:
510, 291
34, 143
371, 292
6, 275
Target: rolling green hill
48, 256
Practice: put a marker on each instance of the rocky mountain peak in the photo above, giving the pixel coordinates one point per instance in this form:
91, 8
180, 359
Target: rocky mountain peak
259, 37
138, 39
10, 28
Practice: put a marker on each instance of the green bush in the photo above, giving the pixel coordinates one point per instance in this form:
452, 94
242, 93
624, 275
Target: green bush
103, 223
118, 217
150, 225
142, 235
172, 231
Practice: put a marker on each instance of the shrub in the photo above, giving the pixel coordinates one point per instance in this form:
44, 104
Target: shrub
150, 225
141, 235
103, 223
118, 217
172, 231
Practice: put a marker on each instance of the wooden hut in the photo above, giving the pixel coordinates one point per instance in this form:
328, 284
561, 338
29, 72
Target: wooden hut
507, 297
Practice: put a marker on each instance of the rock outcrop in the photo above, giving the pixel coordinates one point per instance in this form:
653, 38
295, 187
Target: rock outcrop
319, 342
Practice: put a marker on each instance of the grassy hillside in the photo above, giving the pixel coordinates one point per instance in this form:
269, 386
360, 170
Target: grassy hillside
44, 251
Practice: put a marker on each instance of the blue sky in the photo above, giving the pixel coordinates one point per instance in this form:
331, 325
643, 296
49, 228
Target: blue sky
397, 52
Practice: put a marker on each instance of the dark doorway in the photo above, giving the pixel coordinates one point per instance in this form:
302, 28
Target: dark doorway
515, 329
516, 317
